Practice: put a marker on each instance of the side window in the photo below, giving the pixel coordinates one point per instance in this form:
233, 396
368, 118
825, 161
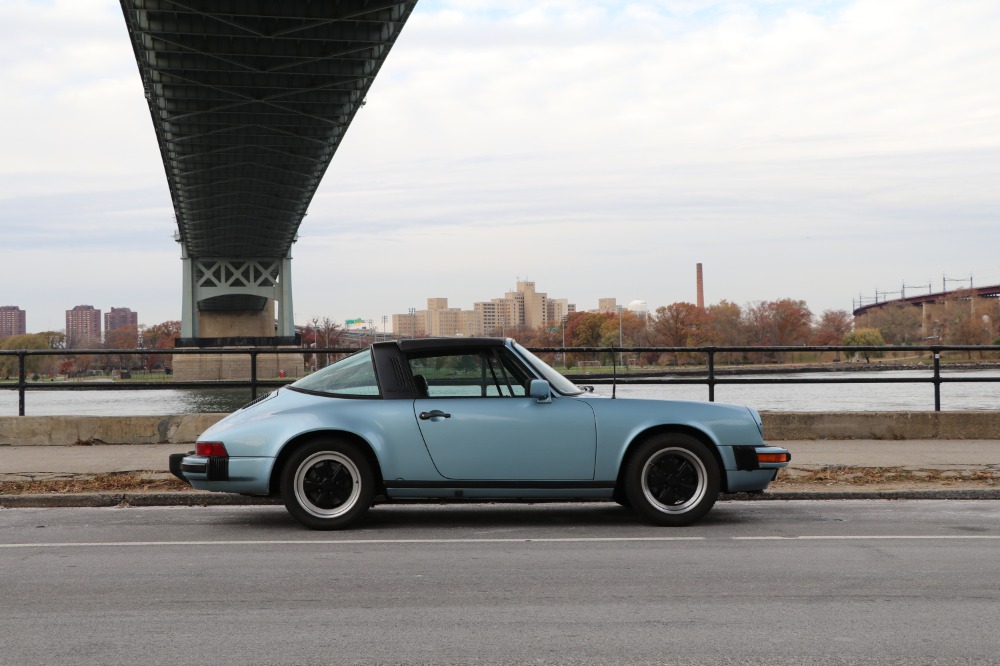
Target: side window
478, 374
352, 376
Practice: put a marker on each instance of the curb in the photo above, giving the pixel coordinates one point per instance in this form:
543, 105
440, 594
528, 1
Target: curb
191, 499
76, 500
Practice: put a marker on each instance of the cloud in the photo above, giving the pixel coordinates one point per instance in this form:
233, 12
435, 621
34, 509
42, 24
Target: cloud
807, 149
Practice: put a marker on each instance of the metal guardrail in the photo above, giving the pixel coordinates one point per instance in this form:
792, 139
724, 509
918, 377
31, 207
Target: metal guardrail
710, 377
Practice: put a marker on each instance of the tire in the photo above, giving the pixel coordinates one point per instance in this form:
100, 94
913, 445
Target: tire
327, 484
672, 479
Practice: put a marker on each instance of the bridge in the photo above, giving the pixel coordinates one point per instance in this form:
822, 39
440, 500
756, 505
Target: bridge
978, 301
939, 297
250, 100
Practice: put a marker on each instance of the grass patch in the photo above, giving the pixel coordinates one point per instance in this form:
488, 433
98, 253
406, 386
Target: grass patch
118, 482
875, 476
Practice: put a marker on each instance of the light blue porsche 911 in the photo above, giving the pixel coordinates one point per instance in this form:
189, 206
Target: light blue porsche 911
475, 419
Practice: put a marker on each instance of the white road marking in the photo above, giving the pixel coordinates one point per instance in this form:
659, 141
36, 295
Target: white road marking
365, 542
860, 537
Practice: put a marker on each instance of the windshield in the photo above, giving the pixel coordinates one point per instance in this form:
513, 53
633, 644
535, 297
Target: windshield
557, 381
352, 376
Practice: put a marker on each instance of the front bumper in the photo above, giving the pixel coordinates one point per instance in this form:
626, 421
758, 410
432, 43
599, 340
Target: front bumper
745, 472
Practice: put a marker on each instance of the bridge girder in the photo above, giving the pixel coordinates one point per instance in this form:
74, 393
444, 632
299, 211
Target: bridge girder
249, 101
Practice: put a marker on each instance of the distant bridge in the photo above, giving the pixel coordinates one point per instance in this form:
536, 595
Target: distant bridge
978, 292
936, 308
250, 100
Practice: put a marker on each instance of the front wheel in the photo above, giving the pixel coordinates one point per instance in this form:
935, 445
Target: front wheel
672, 479
327, 484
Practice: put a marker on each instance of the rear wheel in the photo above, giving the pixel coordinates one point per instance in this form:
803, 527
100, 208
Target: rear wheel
327, 484
672, 479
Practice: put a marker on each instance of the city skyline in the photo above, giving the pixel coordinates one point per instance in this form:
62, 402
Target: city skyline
815, 150
115, 314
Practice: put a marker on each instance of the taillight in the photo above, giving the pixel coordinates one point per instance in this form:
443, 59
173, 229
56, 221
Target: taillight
773, 457
211, 449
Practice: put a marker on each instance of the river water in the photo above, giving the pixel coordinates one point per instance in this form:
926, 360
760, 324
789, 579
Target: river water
782, 398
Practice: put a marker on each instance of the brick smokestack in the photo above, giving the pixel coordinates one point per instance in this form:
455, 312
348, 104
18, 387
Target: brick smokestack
701, 289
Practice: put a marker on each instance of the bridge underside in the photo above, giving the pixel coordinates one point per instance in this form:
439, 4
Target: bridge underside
250, 100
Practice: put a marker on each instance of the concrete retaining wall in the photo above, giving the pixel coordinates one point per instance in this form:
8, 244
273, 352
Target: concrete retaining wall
69, 430
881, 425
183, 429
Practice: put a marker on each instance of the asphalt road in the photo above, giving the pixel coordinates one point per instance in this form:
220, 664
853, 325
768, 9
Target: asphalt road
807, 582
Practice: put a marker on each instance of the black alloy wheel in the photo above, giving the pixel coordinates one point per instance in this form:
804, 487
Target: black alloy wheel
672, 479
327, 484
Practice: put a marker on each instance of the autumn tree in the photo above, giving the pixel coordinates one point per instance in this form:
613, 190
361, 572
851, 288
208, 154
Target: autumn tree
41, 365
680, 325
899, 323
726, 324
865, 337
833, 325
326, 335
781, 323
123, 337
583, 329
160, 336
727, 328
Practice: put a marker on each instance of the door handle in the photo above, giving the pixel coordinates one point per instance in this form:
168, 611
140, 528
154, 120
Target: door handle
436, 414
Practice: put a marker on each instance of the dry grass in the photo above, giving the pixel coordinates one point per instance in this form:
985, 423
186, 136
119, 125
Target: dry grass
882, 477
118, 482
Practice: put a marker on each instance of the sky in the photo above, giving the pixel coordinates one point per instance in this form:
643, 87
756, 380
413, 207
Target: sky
818, 150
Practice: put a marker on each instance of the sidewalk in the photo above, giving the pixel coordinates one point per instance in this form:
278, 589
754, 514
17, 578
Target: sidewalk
954, 461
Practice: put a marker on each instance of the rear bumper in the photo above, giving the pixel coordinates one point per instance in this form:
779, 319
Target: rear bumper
176, 460
248, 476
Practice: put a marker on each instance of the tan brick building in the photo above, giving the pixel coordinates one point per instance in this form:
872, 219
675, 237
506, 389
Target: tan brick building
522, 307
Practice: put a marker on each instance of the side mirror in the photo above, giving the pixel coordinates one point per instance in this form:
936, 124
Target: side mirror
540, 389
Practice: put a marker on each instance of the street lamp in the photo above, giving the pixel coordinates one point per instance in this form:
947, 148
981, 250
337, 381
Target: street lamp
564, 340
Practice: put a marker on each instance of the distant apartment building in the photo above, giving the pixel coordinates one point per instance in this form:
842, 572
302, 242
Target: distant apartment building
406, 325
444, 321
13, 321
557, 309
437, 320
83, 327
607, 305
120, 318
523, 307
124, 320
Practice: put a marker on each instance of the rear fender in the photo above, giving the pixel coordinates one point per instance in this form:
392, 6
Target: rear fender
274, 484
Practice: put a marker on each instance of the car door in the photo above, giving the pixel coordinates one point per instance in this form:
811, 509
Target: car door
478, 422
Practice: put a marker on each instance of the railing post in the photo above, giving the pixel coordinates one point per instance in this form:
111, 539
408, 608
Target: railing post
253, 374
21, 381
937, 380
711, 373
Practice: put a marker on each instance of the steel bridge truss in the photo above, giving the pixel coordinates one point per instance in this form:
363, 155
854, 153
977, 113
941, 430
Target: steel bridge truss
237, 284
249, 101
